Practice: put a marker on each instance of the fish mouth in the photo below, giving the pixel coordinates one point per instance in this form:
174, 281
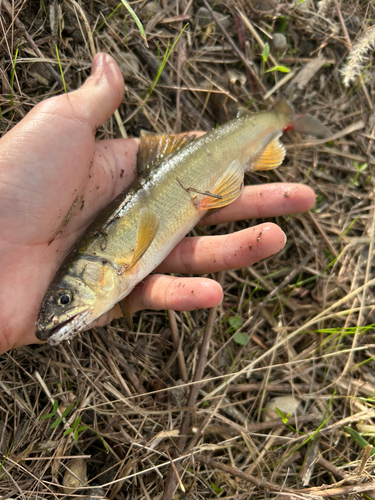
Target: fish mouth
65, 330
61, 325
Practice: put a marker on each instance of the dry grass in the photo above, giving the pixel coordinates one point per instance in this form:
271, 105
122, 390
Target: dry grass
306, 311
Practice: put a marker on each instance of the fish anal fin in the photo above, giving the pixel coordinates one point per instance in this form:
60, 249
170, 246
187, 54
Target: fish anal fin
228, 188
154, 147
271, 157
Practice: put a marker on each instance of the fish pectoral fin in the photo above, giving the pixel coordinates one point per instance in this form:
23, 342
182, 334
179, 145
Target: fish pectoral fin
153, 148
227, 189
147, 228
271, 157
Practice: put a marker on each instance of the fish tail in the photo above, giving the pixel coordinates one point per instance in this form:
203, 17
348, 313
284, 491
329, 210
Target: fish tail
308, 124
303, 124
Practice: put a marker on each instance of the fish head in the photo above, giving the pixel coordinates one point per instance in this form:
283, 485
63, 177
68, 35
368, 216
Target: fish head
76, 297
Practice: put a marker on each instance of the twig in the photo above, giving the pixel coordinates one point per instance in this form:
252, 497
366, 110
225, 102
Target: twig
339, 474
335, 492
364, 299
261, 484
242, 43
322, 491
30, 41
281, 285
233, 428
185, 424
302, 328
87, 26
176, 344
236, 49
174, 469
341, 133
323, 234
117, 116
154, 65
343, 25
349, 156
254, 32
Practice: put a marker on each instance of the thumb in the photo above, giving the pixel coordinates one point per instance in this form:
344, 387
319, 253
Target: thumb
101, 94
97, 99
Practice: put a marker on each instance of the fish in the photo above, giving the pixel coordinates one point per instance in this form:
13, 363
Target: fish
182, 179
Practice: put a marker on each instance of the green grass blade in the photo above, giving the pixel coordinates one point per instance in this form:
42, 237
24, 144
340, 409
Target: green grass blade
61, 71
106, 19
76, 423
266, 52
313, 436
168, 52
282, 69
80, 429
5, 457
44, 8
56, 423
136, 19
44, 417
12, 76
359, 439
53, 413
66, 411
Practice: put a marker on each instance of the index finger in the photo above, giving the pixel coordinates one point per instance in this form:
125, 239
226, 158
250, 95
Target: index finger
265, 200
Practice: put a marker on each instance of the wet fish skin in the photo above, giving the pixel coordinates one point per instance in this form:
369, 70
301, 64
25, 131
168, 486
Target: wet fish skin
140, 227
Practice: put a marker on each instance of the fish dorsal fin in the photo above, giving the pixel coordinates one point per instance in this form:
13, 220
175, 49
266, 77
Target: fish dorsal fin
272, 156
284, 107
153, 147
228, 188
241, 112
148, 226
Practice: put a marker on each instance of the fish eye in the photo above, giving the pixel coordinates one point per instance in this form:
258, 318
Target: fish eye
63, 297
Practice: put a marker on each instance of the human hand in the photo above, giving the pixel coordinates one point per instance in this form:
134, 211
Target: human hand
51, 157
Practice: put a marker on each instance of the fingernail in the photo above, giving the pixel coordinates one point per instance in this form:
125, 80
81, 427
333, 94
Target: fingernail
285, 238
98, 61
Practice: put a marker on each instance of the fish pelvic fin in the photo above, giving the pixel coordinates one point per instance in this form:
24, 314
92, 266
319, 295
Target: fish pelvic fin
124, 306
227, 189
271, 157
154, 147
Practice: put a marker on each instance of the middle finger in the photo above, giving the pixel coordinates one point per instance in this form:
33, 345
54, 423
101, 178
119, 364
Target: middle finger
209, 254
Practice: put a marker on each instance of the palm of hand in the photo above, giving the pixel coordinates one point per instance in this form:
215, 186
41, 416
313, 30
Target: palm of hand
50, 162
